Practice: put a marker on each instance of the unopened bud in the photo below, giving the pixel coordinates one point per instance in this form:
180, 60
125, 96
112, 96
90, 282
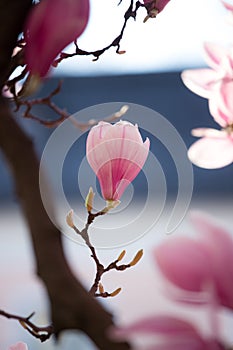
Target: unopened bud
30, 86
121, 256
137, 257
69, 219
124, 109
151, 14
23, 324
89, 200
117, 291
101, 288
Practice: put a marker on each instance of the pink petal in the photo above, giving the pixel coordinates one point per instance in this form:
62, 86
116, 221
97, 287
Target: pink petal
208, 132
160, 4
200, 81
118, 165
104, 131
212, 153
219, 244
215, 55
49, 31
227, 5
18, 346
116, 153
217, 113
187, 344
221, 103
184, 262
166, 325
178, 334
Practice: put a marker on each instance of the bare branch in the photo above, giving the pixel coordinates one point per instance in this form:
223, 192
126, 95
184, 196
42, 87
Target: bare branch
41, 333
71, 306
62, 114
100, 269
130, 12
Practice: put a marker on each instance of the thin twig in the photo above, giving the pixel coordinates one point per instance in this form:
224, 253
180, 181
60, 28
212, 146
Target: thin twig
115, 43
41, 333
100, 269
62, 114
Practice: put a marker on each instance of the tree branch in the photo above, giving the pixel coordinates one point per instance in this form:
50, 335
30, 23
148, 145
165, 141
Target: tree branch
130, 12
42, 333
71, 306
100, 269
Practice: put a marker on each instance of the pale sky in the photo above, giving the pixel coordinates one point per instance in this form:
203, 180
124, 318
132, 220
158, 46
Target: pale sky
174, 40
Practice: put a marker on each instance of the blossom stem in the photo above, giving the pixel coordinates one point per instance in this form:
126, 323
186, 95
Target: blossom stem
100, 269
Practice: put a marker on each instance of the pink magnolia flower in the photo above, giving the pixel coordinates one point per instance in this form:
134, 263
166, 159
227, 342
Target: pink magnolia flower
18, 346
116, 153
50, 27
195, 265
215, 148
203, 81
176, 334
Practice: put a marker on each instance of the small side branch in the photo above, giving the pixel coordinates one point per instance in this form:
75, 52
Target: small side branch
61, 113
41, 333
130, 13
97, 288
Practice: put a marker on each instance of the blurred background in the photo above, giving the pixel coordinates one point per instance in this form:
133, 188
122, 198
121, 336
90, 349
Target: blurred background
148, 74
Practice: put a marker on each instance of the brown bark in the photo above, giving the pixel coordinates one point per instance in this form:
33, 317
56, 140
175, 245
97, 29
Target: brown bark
71, 306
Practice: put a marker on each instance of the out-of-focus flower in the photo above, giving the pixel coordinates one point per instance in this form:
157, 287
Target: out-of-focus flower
201, 268
50, 27
176, 334
203, 81
116, 153
227, 5
18, 346
215, 148
195, 265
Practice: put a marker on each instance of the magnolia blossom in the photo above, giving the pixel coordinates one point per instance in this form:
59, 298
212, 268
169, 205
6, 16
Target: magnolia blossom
203, 81
200, 265
18, 346
176, 334
50, 27
116, 153
215, 148
198, 270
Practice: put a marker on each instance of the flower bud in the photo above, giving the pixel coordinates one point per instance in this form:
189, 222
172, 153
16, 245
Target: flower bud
69, 219
89, 200
117, 291
50, 27
116, 153
137, 257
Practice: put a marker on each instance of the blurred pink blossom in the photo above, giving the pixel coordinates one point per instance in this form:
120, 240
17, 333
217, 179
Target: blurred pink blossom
195, 265
202, 266
116, 153
18, 346
50, 27
228, 5
203, 81
176, 334
215, 149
